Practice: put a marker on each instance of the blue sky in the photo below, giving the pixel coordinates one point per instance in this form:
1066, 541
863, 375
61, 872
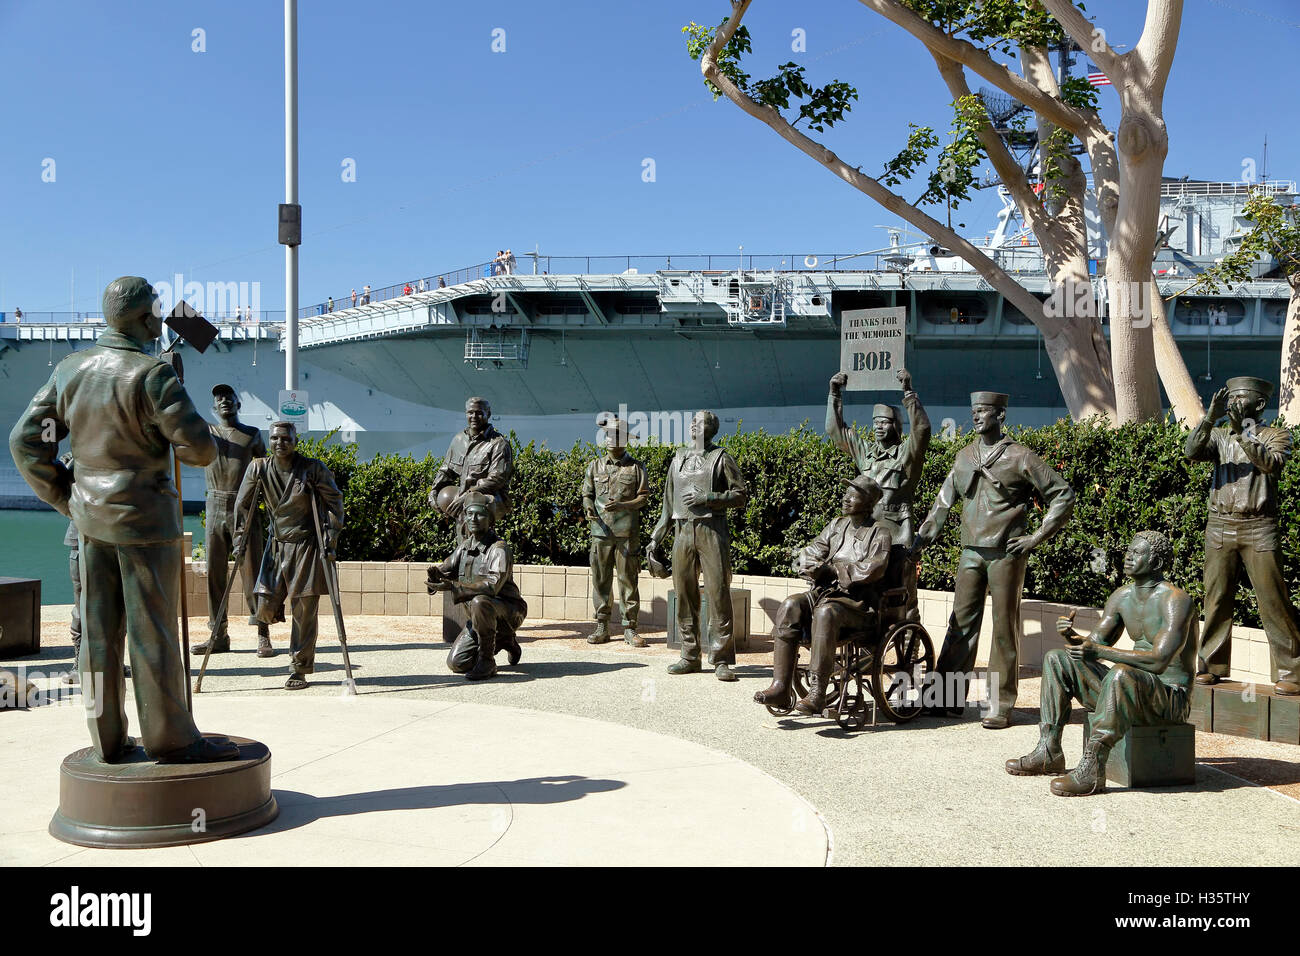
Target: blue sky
168, 160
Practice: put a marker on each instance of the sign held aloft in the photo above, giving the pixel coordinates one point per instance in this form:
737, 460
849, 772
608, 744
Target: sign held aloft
871, 347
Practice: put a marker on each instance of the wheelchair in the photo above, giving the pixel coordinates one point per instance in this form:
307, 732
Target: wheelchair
884, 662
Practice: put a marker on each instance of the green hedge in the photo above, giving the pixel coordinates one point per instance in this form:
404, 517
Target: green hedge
1127, 479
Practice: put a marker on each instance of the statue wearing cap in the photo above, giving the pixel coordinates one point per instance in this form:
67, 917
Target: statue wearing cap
614, 490
893, 461
843, 565
237, 445
479, 575
479, 459
123, 412
997, 478
1243, 529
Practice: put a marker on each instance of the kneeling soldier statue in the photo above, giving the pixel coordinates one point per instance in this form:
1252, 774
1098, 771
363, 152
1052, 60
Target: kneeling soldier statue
478, 574
298, 492
1148, 686
850, 555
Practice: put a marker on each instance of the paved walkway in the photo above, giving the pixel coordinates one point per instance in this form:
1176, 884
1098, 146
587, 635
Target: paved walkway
694, 770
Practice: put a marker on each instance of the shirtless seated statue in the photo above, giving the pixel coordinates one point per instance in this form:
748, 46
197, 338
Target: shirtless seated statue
1148, 686
842, 565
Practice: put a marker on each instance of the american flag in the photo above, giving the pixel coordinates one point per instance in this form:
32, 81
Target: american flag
1096, 77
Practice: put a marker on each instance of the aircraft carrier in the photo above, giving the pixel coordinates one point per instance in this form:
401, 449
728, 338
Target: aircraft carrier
562, 339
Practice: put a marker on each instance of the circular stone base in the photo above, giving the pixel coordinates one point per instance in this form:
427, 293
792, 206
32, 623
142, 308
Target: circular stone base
140, 803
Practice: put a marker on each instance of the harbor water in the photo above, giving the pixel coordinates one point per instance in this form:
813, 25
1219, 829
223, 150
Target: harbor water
31, 546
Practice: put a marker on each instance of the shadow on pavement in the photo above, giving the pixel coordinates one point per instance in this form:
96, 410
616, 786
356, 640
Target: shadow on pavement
300, 809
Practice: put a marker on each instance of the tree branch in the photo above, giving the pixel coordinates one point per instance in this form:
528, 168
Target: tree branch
1089, 36
1155, 48
980, 63
1004, 164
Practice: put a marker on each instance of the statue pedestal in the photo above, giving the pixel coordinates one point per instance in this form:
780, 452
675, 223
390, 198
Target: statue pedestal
140, 803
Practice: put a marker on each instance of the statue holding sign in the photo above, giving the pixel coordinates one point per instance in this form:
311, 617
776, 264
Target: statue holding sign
892, 461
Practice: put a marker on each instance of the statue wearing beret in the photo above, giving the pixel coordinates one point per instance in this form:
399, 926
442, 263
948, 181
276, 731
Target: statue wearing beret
997, 478
892, 461
1242, 530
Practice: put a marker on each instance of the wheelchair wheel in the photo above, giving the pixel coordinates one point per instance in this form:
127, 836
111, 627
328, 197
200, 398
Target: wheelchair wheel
851, 714
898, 672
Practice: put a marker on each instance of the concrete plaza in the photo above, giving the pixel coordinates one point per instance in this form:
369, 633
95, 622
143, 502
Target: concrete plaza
595, 755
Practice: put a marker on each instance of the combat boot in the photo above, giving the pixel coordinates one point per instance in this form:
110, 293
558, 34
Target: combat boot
815, 702
220, 644
72, 677
1047, 757
601, 634
1087, 778
486, 665
632, 637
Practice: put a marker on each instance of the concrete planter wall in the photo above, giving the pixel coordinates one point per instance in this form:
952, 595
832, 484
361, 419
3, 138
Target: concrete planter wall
564, 594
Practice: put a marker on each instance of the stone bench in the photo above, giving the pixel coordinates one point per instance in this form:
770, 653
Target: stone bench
1162, 756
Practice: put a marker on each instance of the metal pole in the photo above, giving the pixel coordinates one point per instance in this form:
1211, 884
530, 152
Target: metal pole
291, 191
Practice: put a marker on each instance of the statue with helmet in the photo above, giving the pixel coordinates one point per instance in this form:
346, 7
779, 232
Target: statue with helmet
1242, 532
479, 574
997, 479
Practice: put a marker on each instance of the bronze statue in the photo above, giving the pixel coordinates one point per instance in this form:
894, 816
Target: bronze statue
998, 478
703, 481
614, 490
123, 412
893, 462
237, 445
479, 459
847, 558
1243, 529
297, 491
1148, 686
478, 574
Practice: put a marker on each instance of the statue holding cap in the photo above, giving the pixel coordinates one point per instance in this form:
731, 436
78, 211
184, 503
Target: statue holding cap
703, 482
614, 490
479, 459
123, 412
1243, 529
843, 565
893, 461
997, 478
479, 574
297, 491
237, 445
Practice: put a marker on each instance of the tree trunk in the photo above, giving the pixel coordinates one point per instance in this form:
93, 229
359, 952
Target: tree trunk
1288, 392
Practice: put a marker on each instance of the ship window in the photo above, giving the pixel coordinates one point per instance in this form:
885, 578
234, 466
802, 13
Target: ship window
1209, 311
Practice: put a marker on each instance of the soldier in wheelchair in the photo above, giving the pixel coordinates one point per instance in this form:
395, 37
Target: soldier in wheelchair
859, 617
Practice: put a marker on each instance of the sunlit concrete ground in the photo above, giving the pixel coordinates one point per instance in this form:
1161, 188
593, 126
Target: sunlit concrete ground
926, 792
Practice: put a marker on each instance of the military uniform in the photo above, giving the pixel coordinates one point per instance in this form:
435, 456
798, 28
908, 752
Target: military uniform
702, 545
292, 568
615, 535
483, 572
896, 468
1243, 531
237, 446
483, 464
124, 412
998, 484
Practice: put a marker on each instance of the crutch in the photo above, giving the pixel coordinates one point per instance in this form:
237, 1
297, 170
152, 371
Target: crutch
230, 586
349, 685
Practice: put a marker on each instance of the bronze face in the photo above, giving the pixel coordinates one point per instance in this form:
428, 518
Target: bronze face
1244, 403
284, 442
226, 405
476, 520
476, 416
987, 419
854, 502
886, 430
